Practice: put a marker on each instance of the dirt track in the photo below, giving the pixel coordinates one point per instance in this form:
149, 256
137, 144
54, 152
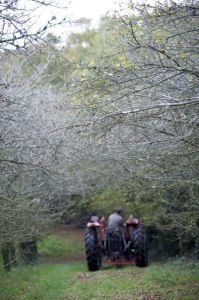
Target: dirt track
69, 231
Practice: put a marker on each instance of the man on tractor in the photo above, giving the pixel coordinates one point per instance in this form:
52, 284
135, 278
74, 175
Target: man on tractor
116, 219
120, 242
114, 239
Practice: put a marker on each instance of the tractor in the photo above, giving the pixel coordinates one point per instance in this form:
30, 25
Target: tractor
119, 245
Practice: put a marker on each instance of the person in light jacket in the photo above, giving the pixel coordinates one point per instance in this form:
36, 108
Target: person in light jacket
116, 219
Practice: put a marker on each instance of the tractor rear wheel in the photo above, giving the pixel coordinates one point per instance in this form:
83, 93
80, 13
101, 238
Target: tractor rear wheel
139, 241
92, 247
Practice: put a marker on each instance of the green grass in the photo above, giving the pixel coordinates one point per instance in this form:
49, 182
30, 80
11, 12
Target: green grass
49, 281
73, 281
70, 280
58, 246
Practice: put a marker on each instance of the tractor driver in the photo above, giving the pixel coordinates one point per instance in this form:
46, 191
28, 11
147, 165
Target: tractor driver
116, 219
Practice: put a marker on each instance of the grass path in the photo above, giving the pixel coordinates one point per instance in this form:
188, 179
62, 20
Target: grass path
64, 244
63, 275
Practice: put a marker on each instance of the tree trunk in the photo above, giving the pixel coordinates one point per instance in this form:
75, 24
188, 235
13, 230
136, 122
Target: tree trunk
29, 251
8, 255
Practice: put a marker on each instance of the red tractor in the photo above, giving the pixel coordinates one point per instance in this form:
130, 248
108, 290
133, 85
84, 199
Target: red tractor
119, 245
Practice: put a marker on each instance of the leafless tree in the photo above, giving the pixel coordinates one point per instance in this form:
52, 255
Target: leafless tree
132, 121
146, 120
40, 167
24, 23
140, 120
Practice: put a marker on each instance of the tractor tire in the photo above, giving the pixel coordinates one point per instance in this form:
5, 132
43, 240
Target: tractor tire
139, 241
92, 248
